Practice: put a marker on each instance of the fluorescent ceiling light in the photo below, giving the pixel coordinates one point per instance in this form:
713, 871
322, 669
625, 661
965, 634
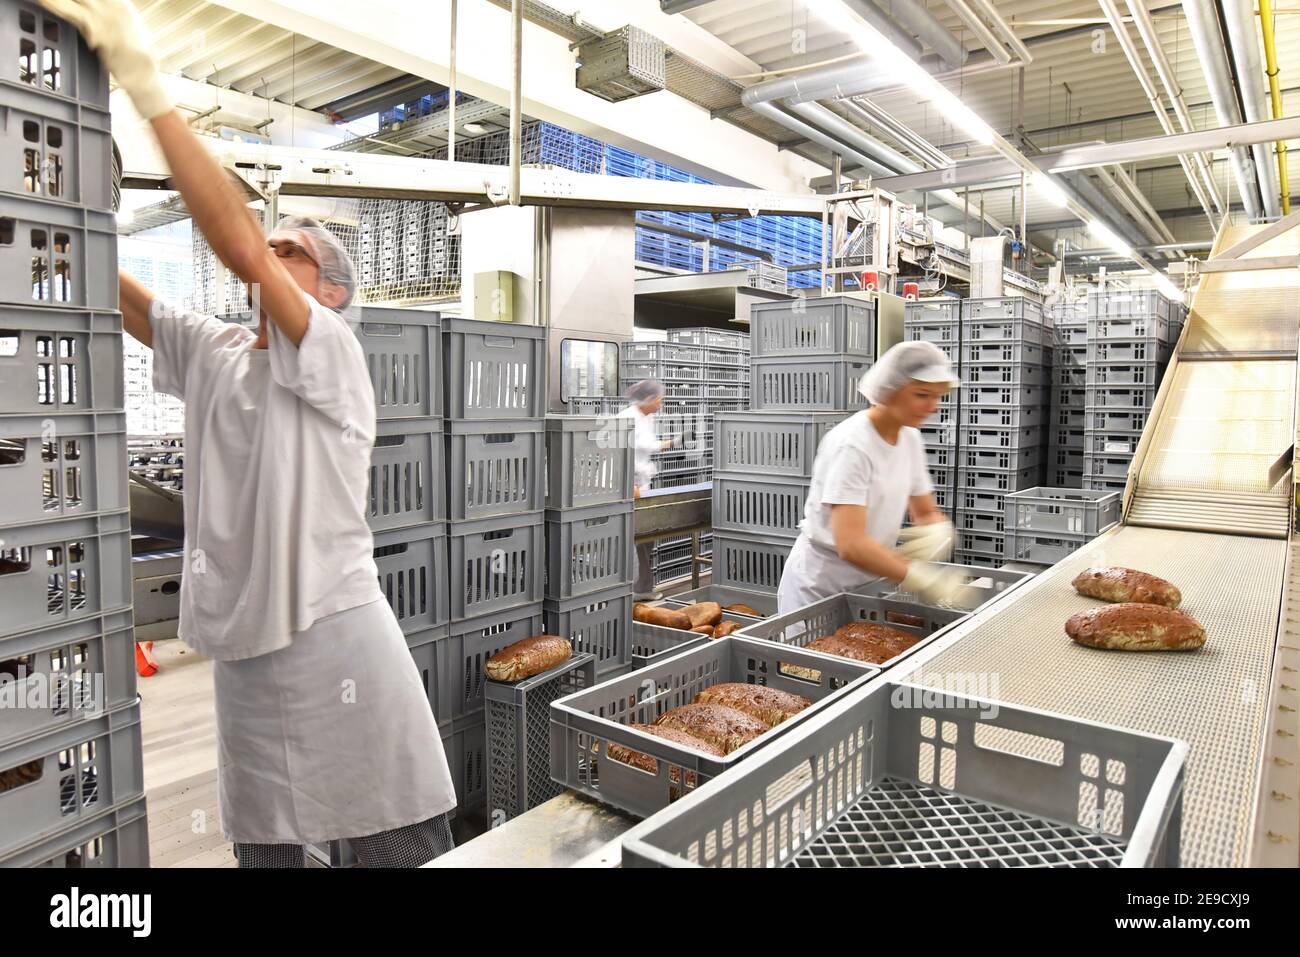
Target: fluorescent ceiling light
474, 129
1169, 289
879, 47
1046, 187
1106, 235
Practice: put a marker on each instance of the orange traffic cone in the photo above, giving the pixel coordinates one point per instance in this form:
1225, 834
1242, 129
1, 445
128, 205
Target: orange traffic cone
145, 663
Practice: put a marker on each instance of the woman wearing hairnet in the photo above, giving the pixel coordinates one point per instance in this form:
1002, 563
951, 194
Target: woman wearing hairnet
324, 729
869, 473
646, 398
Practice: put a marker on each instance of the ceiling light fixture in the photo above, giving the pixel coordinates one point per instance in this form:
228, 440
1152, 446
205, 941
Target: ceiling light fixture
1108, 237
1046, 187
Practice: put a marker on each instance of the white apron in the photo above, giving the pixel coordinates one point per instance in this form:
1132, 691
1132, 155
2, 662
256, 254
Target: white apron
812, 573
330, 737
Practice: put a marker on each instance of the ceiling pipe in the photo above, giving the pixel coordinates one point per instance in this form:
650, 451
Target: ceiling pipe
1125, 201
1146, 29
1239, 17
1207, 38
981, 30
777, 115
877, 18
1018, 48
1144, 204
1275, 93
834, 82
917, 18
1101, 252
846, 132
1087, 194
868, 112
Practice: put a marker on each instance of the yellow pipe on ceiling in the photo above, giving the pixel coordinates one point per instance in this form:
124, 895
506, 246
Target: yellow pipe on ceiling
1275, 90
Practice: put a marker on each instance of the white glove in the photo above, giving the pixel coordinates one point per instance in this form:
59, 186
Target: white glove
928, 543
113, 29
935, 584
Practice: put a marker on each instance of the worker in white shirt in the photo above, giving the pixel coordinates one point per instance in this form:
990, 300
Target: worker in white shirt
869, 474
324, 727
646, 398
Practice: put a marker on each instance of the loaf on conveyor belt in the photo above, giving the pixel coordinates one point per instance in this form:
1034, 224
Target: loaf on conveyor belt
1117, 584
1135, 626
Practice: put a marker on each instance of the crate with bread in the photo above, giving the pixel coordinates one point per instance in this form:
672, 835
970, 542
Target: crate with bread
658, 631
643, 740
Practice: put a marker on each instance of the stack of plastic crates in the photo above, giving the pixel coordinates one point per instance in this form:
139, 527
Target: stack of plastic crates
1006, 356
1131, 337
1065, 439
71, 786
1046, 525
938, 321
684, 417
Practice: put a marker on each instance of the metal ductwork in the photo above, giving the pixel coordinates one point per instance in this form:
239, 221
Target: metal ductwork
1203, 23
1239, 17
1088, 195
916, 18
877, 18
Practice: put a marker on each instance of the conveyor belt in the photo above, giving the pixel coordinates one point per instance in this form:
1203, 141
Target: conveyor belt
1213, 699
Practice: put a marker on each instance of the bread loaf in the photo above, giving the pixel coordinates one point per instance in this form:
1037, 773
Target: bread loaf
768, 705
1113, 583
1136, 626
528, 657
865, 641
639, 759
870, 631
667, 617
740, 609
724, 628
723, 727
703, 613
841, 648
703, 630
16, 777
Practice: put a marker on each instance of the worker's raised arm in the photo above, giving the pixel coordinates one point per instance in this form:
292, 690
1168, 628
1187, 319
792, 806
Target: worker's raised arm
135, 301
113, 29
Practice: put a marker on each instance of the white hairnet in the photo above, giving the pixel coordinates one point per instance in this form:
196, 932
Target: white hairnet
903, 363
647, 390
324, 247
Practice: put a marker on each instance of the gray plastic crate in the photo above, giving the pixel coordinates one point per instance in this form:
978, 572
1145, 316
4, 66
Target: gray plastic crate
116, 838
1000, 438
652, 644
777, 443
980, 500
986, 544
726, 390
997, 480
60, 466
1123, 374
817, 385
941, 456
945, 434
1159, 328
972, 521
69, 775
1129, 351
64, 570
1043, 548
828, 326
976, 560
1065, 457
598, 405
67, 673
999, 460
702, 336
1070, 397
403, 349
872, 780
1103, 483
1004, 350
717, 357
519, 736
749, 561
926, 311
465, 744
412, 564
408, 483
726, 375
589, 460
943, 498
942, 476
663, 371
57, 255
1107, 466
745, 503
1063, 477
1116, 420
44, 53
762, 602
661, 352
451, 658
1000, 396
60, 360
680, 391
1004, 307
588, 549
1069, 510
493, 370
941, 333
1072, 334
599, 624
1112, 443
583, 725
1121, 397
1145, 303
823, 617
496, 564
1006, 373
1068, 417
495, 468
1070, 376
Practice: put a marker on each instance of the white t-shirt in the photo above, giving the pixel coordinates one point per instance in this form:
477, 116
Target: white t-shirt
855, 466
647, 442
277, 450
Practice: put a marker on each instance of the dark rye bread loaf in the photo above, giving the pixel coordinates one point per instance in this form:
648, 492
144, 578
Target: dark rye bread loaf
1136, 626
1114, 583
639, 759
768, 705
528, 657
723, 727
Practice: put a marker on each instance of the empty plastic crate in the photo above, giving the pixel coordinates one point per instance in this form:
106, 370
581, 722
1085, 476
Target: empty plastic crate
941, 456
588, 549
585, 724
942, 476
749, 561
941, 333
1044, 548
412, 564
1121, 397
1008, 460
717, 358
973, 521
943, 498
495, 468
762, 602
60, 360
1142, 304
945, 434
1065, 477
1070, 376
661, 352
743, 503
997, 480
496, 564
1104, 483
1004, 307
987, 544
1150, 327
1006, 373
55, 780
976, 560
1129, 351
926, 311
1069, 418
408, 484
824, 617
64, 570
600, 405
1022, 397
61, 466
589, 460
723, 338
56, 254
1069, 510
493, 370
1072, 334
1071, 397
1005, 350
980, 500
1066, 457
116, 838
403, 349
599, 624
726, 390
828, 326
661, 370
55, 149
1112, 443
1107, 466
519, 736
885, 771
776, 443
46, 54
1002, 438
820, 385
1123, 374
652, 644
1116, 420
